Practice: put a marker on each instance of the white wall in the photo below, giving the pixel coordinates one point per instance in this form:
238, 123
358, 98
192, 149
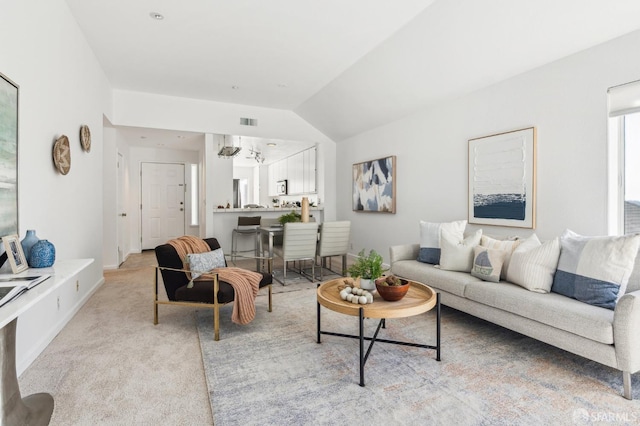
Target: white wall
214, 118
565, 100
61, 88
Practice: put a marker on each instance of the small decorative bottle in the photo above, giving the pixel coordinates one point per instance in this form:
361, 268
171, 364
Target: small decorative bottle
28, 242
304, 213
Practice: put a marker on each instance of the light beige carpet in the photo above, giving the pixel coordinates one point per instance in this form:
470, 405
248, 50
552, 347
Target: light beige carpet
111, 366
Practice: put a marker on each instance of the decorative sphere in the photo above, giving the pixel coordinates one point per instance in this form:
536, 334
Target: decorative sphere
42, 255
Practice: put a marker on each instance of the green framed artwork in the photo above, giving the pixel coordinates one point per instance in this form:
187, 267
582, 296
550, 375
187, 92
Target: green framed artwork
8, 156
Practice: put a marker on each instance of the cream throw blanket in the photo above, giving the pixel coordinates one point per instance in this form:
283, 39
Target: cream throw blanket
244, 282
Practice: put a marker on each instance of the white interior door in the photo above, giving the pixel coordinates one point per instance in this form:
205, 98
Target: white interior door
162, 208
122, 221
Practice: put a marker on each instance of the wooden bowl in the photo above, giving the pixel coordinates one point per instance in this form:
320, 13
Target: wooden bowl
394, 292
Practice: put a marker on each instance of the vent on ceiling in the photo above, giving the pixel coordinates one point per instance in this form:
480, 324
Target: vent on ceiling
248, 121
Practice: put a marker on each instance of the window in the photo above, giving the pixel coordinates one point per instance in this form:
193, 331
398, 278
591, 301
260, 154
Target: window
624, 159
194, 195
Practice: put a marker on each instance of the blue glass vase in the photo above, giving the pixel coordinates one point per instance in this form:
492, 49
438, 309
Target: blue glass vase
28, 242
43, 254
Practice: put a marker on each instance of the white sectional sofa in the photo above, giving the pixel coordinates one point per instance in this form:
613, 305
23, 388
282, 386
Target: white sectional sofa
610, 337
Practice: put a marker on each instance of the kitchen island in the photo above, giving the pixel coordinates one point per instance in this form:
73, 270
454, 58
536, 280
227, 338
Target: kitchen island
225, 220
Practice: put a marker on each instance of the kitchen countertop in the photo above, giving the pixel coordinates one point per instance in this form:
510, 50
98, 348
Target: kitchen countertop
266, 209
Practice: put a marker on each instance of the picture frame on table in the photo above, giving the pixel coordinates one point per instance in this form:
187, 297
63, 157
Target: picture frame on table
374, 185
13, 248
502, 179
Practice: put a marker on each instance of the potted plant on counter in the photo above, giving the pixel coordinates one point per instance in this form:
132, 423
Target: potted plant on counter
368, 268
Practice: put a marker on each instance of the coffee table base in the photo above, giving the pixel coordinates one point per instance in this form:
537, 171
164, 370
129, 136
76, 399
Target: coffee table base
382, 324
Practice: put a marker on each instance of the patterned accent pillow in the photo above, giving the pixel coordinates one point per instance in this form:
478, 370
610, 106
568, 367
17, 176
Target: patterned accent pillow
430, 238
487, 263
508, 246
200, 263
533, 264
457, 253
595, 270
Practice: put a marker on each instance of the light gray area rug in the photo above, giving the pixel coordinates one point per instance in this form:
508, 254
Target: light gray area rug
272, 371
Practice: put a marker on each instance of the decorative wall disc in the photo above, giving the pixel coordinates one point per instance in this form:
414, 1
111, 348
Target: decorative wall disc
85, 138
62, 155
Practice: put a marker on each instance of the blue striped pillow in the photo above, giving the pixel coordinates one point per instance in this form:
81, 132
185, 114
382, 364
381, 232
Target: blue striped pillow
595, 270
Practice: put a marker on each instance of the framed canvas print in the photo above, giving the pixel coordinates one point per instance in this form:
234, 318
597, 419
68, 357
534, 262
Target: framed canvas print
14, 251
502, 179
8, 156
374, 185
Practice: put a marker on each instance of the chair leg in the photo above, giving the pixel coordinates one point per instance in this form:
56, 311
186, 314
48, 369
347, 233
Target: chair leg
270, 299
216, 309
155, 301
284, 274
344, 265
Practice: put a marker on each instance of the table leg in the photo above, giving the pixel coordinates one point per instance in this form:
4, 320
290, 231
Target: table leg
361, 346
437, 326
35, 409
318, 320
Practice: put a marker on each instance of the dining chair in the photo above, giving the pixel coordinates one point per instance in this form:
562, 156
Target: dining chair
334, 241
298, 244
247, 226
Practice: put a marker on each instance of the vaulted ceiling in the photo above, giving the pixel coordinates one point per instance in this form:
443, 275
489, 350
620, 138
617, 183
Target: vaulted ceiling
345, 66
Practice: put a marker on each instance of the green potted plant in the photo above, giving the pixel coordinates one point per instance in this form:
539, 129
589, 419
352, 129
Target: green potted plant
368, 268
290, 217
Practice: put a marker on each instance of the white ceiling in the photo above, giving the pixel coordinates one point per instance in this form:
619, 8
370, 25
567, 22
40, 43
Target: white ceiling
345, 66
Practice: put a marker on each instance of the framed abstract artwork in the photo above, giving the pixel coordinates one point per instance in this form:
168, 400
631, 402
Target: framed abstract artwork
374, 185
502, 179
8, 156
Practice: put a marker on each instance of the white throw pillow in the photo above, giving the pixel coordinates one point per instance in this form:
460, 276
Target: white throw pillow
457, 254
508, 246
200, 263
533, 264
430, 238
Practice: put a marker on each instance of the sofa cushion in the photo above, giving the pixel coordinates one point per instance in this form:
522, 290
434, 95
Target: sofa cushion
551, 309
431, 275
508, 246
457, 253
430, 238
487, 263
595, 270
634, 279
533, 264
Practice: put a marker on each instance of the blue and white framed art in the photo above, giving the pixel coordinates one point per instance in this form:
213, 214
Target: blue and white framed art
502, 179
374, 185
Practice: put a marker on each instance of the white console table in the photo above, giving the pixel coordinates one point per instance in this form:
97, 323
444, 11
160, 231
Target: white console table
35, 409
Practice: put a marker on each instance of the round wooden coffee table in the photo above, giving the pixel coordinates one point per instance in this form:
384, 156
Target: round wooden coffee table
419, 299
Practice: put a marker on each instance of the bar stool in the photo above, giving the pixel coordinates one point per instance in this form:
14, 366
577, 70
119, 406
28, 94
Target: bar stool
247, 226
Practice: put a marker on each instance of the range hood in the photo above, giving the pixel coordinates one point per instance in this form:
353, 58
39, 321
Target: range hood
229, 151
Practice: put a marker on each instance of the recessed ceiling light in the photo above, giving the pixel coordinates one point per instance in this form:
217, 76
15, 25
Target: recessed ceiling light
157, 16
271, 144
